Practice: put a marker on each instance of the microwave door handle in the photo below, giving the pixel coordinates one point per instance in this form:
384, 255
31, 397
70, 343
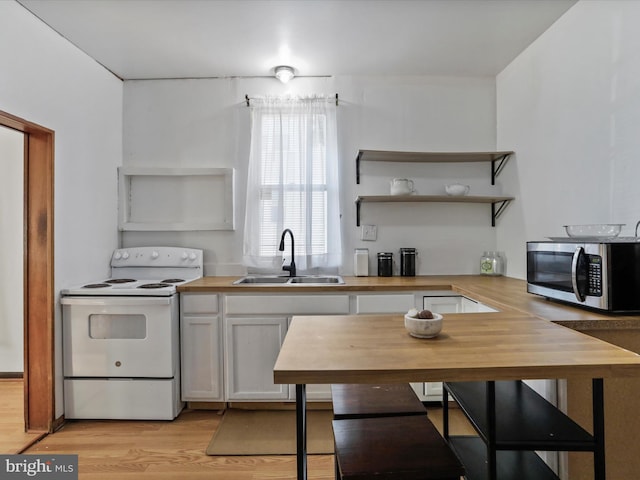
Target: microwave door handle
574, 273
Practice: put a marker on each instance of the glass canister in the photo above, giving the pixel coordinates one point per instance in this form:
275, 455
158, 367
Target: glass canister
385, 264
491, 263
408, 262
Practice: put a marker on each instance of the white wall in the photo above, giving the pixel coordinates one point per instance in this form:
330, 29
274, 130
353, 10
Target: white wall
46, 80
11, 253
205, 123
570, 108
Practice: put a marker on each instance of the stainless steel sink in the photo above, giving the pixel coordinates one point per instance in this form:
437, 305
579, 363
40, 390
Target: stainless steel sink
317, 279
283, 280
261, 280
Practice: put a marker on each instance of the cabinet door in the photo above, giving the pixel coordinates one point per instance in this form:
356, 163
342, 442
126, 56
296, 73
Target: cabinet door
433, 391
446, 304
252, 346
201, 358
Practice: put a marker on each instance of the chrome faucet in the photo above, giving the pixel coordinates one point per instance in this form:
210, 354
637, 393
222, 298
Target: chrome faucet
637, 225
291, 268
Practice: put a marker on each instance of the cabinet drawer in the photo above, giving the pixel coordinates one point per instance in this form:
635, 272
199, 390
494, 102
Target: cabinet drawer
384, 303
199, 303
286, 304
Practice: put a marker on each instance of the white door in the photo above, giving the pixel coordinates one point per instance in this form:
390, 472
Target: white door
11, 254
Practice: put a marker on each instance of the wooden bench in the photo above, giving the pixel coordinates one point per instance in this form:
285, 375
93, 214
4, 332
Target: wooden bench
393, 448
382, 400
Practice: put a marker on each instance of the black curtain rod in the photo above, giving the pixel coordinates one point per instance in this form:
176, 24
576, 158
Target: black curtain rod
248, 100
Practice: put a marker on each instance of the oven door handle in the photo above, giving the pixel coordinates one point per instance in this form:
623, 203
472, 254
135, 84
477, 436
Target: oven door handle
112, 301
574, 274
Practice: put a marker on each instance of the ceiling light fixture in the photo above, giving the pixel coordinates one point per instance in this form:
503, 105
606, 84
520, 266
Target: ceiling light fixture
284, 73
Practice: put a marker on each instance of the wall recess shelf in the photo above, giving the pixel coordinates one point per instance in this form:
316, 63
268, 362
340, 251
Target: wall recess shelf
175, 199
498, 159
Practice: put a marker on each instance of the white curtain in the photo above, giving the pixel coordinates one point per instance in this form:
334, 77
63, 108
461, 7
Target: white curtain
293, 183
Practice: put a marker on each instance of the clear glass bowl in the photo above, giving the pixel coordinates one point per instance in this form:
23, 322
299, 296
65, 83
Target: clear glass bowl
596, 230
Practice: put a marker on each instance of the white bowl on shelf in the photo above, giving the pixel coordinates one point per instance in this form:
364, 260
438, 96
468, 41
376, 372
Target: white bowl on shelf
423, 327
457, 189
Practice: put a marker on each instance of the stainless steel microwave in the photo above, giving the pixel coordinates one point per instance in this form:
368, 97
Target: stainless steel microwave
600, 275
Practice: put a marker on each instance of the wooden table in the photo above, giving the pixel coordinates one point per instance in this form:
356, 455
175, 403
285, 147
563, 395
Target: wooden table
471, 347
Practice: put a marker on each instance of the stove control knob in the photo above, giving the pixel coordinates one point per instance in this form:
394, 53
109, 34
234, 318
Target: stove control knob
125, 255
184, 255
192, 256
154, 254
117, 256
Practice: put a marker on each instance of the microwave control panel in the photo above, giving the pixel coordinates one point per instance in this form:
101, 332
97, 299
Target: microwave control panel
594, 275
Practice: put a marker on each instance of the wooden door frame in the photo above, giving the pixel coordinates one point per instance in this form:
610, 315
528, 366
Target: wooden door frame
39, 299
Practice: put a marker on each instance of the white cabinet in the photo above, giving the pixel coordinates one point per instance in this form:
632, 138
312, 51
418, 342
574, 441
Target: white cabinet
201, 347
252, 346
255, 327
230, 341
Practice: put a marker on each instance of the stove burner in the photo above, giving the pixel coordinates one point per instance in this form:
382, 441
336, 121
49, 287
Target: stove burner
154, 285
96, 285
173, 280
119, 280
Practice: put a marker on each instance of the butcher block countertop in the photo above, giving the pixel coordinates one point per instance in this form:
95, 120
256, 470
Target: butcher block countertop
508, 295
471, 347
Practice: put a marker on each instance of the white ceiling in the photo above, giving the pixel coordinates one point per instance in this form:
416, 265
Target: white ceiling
141, 39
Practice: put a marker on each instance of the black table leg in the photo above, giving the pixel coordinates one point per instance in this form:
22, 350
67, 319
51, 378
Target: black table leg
301, 430
599, 470
445, 412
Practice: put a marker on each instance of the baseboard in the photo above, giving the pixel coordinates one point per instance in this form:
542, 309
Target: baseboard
206, 405
11, 375
57, 423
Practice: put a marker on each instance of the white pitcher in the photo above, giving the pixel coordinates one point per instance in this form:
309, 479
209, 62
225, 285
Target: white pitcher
401, 186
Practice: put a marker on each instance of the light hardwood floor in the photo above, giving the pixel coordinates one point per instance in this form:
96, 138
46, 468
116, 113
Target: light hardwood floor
164, 450
13, 438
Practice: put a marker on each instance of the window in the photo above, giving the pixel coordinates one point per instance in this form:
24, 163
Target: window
293, 183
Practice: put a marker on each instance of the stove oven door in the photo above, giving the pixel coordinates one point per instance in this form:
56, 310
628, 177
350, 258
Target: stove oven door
132, 337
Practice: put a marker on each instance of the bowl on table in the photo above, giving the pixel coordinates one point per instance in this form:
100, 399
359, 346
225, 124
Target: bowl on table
423, 327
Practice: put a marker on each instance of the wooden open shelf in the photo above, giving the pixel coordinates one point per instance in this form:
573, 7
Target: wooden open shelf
497, 159
498, 204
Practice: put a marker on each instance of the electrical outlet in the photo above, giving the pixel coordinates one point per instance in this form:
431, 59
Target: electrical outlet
369, 233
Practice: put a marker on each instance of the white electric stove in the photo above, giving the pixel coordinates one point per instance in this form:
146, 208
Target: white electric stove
121, 336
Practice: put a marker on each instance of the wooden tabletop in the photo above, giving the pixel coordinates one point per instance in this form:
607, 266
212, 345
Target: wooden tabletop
479, 346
